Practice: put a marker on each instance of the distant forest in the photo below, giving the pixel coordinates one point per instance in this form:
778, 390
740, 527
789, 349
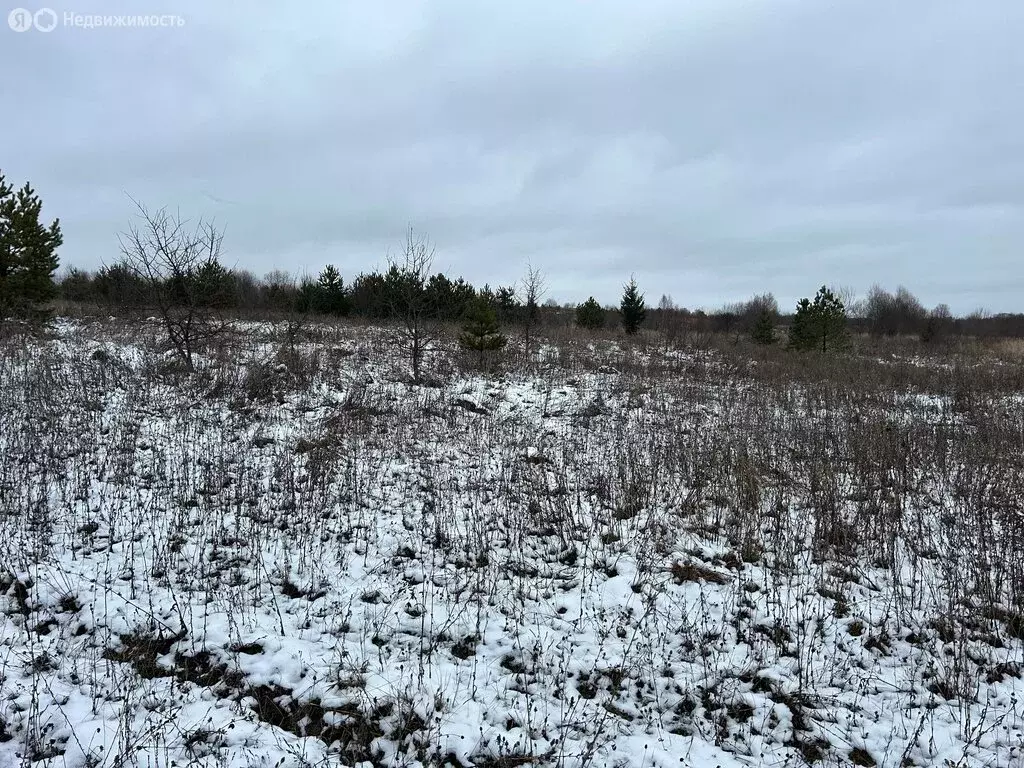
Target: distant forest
370, 296
170, 265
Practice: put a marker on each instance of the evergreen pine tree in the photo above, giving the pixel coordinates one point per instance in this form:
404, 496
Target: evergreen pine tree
480, 332
212, 285
508, 303
28, 258
307, 296
590, 315
820, 324
447, 298
331, 297
77, 285
633, 309
763, 331
801, 334
488, 296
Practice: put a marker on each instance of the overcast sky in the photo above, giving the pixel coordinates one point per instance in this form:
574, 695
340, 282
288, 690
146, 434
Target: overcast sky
714, 148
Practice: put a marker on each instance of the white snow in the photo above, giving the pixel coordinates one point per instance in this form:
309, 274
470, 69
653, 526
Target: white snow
360, 571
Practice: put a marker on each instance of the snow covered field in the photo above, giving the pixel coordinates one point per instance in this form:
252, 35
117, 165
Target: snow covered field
635, 558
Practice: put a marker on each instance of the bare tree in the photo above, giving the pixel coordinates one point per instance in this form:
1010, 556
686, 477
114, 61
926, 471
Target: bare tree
938, 326
750, 312
410, 302
297, 317
848, 295
179, 265
534, 286
668, 318
889, 314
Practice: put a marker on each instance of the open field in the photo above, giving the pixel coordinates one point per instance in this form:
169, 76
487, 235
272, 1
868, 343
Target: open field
635, 556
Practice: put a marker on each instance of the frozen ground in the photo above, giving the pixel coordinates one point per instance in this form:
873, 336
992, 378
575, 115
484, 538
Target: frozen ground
621, 558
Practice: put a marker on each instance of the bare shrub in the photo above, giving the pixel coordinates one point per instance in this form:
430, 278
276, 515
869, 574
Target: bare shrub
179, 265
410, 302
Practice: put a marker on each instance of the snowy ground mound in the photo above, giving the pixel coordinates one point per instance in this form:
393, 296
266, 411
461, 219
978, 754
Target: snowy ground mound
617, 558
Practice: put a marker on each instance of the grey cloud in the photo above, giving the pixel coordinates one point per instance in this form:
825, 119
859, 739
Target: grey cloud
714, 149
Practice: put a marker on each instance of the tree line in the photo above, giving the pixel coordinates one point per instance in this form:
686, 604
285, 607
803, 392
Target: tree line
175, 267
